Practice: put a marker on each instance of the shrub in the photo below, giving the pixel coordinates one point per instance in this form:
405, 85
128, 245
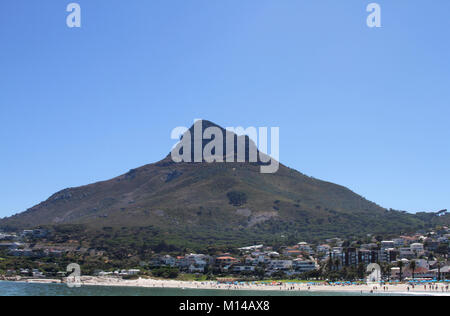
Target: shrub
237, 198
166, 273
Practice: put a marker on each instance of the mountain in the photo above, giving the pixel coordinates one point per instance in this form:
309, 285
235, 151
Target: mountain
214, 203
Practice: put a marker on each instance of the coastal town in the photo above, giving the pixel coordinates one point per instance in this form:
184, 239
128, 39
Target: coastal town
419, 256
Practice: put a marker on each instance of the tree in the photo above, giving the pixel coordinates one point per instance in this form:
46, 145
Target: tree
166, 272
439, 269
330, 263
337, 264
280, 275
260, 272
412, 265
361, 270
400, 265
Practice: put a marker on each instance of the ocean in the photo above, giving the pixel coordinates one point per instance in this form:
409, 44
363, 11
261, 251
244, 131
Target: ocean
34, 289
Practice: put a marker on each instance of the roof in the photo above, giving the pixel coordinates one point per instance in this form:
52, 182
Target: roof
225, 258
419, 270
445, 269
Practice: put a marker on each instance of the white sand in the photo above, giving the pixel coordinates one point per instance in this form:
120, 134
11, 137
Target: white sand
212, 285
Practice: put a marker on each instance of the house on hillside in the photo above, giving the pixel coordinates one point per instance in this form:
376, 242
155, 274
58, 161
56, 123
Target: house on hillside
243, 268
417, 248
302, 266
280, 265
168, 261
323, 248
225, 261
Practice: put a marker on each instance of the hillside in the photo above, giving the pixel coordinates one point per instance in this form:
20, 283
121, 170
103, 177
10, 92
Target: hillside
214, 203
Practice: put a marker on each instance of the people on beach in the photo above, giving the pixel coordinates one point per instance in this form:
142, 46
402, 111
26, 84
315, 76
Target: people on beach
440, 288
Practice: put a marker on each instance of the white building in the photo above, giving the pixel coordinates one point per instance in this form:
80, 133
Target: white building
196, 268
302, 266
263, 259
303, 246
251, 248
273, 254
399, 242
130, 272
280, 264
7, 236
168, 261
323, 249
243, 268
385, 244
38, 274
406, 253
103, 273
417, 248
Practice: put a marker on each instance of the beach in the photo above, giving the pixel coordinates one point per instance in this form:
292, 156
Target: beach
440, 289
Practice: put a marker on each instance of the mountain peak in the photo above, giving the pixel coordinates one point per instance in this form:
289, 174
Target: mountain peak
206, 139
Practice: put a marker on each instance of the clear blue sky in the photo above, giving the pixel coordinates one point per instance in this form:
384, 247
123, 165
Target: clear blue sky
365, 108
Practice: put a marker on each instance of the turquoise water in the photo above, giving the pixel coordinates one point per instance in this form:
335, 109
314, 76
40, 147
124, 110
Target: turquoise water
29, 289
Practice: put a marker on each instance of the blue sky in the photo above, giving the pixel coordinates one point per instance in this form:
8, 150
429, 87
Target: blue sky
365, 108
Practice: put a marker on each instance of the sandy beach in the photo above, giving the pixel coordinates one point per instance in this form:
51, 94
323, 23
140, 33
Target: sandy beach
440, 289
